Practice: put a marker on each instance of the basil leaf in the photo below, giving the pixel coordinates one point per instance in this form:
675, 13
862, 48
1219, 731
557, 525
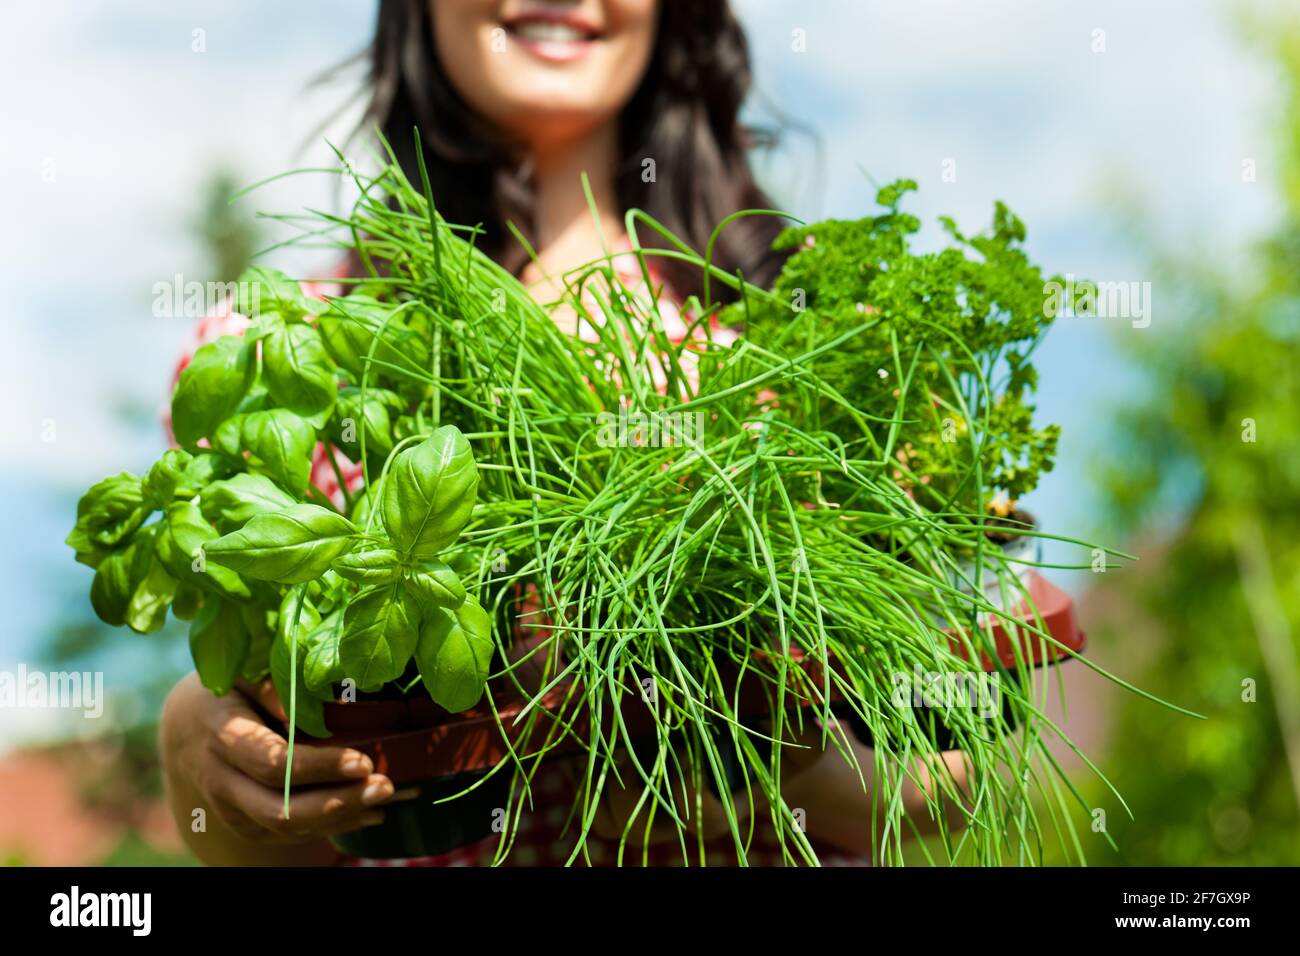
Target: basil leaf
110, 592
309, 711
323, 667
369, 567
232, 501
380, 630
178, 475
454, 654
161, 481
270, 290
298, 372
429, 493
373, 418
152, 587
266, 323
107, 515
182, 538
257, 663
328, 591
435, 585
211, 388
229, 436
219, 645
291, 546
352, 323
281, 444
258, 399
366, 502
187, 602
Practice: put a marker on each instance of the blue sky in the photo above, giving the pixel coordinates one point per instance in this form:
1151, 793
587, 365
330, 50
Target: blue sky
112, 122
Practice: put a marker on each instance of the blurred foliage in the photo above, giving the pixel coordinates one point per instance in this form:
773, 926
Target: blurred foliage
1216, 442
133, 851
228, 230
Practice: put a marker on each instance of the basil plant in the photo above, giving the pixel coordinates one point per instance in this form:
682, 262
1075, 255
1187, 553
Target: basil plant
230, 532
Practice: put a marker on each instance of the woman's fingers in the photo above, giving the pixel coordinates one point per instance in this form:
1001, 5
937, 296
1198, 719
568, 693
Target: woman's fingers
263, 694
320, 811
245, 743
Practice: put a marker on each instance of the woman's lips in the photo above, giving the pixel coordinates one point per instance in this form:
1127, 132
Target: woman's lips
553, 39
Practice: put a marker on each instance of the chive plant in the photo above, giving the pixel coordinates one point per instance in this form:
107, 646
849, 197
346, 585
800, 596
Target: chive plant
803, 510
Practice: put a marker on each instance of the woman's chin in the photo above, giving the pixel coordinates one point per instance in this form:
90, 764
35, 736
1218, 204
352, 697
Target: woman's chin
546, 120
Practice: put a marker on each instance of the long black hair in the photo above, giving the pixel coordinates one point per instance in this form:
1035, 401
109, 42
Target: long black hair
684, 115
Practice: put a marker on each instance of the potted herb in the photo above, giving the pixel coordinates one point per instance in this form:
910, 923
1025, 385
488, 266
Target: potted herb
276, 579
715, 539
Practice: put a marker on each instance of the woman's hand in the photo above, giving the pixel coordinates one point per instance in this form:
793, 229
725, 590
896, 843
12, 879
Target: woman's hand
224, 771
838, 805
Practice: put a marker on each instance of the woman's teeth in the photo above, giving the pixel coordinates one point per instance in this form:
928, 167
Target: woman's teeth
543, 32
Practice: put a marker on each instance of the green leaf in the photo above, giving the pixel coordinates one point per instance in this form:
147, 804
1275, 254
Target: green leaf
351, 323
454, 655
324, 668
257, 621
435, 585
306, 707
373, 418
110, 592
231, 502
328, 591
429, 494
367, 501
211, 388
380, 630
131, 587
179, 476
369, 567
281, 444
258, 399
264, 324
107, 515
264, 290
219, 645
298, 372
152, 587
229, 436
187, 602
162, 480
181, 540
291, 546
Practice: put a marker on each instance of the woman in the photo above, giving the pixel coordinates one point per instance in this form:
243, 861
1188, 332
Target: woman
516, 100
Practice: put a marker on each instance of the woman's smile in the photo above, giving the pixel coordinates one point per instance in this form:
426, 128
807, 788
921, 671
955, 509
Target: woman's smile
553, 34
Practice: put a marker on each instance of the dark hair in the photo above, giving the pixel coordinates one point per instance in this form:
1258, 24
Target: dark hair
684, 114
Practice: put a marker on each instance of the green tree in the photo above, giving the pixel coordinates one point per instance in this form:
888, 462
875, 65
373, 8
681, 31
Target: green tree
1215, 446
